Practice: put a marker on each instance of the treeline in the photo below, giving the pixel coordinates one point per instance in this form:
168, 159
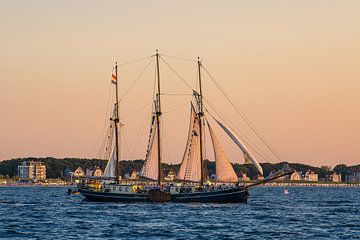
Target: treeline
56, 168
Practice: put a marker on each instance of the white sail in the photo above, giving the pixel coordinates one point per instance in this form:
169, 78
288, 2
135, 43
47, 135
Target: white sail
224, 170
110, 167
150, 168
111, 164
190, 168
250, 157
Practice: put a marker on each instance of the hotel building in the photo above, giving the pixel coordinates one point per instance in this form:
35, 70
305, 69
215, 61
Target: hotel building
31, 170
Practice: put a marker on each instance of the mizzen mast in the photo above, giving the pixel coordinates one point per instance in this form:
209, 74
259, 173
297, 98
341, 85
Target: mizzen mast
158, 114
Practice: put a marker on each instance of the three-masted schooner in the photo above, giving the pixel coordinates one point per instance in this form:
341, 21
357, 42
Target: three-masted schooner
190, 183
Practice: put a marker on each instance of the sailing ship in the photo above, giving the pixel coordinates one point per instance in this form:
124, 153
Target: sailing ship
190, 183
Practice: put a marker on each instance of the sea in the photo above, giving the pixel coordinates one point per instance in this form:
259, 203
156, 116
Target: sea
303, 213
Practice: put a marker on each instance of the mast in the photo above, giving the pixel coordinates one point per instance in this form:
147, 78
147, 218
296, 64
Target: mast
158, 114
116, 121
200, 115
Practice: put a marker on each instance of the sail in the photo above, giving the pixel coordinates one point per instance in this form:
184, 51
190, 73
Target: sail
150, 168
224, 170
190, 168
110, 167
246, 159
111, 152
248, 155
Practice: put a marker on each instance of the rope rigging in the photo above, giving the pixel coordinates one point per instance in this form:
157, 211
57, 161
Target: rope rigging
176, 73
134, 61
245, 118
106, 130
180, 58
243, 137
136, 80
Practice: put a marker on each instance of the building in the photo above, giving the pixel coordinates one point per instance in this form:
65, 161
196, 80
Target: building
79, 172
354, 177
98, 172
171, 176
134, 175
213, 177
94, 172
295, 176
244, 177
31, 170
334, 177
311, 176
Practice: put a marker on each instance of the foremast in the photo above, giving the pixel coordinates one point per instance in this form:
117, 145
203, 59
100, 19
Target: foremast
116, 121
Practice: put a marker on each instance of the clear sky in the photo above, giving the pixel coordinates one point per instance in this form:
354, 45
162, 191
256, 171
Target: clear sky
292, 66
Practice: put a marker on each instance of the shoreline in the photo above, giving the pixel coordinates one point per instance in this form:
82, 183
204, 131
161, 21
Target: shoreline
12, 183
309, 184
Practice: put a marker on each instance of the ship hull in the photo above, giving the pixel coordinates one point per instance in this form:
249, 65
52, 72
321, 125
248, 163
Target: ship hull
112, 197
233, 195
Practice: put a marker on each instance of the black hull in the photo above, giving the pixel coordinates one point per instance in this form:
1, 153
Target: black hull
234, 195
113, 197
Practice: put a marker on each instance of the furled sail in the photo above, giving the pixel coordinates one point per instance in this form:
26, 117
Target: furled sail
150, 168
110, 167
248, 155
224, 170
190, 168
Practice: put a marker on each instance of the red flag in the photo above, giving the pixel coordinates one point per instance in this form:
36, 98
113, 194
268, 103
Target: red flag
113, 78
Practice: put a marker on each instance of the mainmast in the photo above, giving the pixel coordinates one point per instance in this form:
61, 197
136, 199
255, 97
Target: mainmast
200, 116
116, 121
158, 114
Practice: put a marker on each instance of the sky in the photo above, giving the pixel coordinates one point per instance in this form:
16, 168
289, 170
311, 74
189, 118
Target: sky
292, 66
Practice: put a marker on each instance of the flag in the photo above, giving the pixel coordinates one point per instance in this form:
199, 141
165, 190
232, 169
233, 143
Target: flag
113, 78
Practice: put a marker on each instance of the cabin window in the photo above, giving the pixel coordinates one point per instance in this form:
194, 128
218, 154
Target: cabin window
114, 188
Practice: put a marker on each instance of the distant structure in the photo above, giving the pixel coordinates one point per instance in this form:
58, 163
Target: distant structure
134, 175
354, 177
79, 172
295, 176
334, 177
213, 177
244, 177
32, 170
94, 172
311, 176
98, 172
171, 176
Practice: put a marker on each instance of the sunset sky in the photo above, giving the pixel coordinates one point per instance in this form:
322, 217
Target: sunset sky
292, 66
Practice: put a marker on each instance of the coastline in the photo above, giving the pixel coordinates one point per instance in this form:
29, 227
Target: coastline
57, 183
309, 184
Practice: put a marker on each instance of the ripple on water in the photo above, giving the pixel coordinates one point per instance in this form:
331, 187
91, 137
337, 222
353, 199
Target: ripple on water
306, 213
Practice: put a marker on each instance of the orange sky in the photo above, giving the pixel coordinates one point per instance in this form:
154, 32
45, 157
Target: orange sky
292, 67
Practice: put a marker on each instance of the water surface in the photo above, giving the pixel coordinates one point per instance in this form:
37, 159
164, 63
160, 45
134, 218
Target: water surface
305, 213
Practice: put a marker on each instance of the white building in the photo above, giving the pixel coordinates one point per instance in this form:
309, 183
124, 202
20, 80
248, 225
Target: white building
295, 176
79, 172
335, 177
311, 176
31, 170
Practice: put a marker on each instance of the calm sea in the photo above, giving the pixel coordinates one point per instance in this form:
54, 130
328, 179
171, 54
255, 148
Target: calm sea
305, 213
